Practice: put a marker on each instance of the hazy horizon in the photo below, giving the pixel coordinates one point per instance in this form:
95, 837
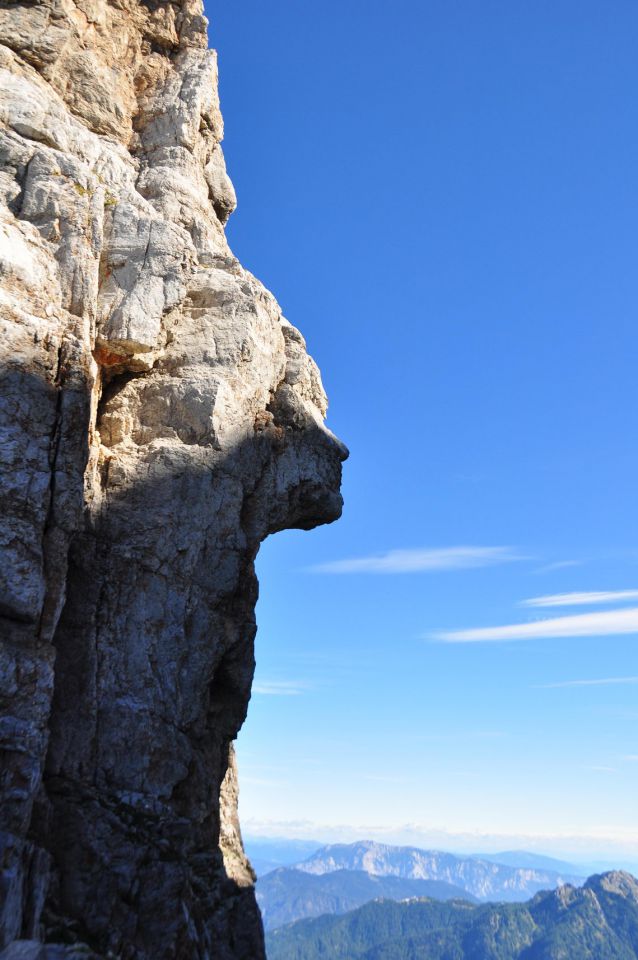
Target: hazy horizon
589, 851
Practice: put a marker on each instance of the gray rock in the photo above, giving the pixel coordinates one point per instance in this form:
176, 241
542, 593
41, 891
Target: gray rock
158, 419
35, 950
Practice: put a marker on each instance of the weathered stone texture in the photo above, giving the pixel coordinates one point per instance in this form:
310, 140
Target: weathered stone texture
158, 419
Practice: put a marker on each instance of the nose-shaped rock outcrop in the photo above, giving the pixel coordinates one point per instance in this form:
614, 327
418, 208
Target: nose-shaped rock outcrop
158, 418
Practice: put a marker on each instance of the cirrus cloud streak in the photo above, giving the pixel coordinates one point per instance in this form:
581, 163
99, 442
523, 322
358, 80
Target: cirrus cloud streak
604, 623
582, 599
422, 560
279, 688
601, 682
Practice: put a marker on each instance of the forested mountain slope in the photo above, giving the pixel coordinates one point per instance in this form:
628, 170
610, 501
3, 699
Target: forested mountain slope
598, 921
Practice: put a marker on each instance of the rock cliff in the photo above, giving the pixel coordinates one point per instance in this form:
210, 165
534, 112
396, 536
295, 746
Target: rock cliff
158, 418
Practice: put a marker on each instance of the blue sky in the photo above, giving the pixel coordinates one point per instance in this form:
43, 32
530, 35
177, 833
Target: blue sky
443, 197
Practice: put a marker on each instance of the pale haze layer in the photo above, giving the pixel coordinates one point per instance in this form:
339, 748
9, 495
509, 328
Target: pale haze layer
444, 198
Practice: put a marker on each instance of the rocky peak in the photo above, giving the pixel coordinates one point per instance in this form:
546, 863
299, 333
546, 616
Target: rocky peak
617, 882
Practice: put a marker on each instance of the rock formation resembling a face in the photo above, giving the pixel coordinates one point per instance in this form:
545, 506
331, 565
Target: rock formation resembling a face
161, 419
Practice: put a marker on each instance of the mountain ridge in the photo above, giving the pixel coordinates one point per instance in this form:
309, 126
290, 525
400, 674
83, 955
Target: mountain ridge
598, 921
287, 894
483, 878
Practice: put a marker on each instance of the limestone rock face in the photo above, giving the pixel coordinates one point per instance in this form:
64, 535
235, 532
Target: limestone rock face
158, 418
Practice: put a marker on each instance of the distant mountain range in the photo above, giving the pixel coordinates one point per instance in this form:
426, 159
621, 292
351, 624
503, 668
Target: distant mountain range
534, 861
287, 894
266, 853
338, 878
598, 921
479, 877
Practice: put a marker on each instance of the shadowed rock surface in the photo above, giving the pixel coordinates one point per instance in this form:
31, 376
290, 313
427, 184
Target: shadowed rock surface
158, 418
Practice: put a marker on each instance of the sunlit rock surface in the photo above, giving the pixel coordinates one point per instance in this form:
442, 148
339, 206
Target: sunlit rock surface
158, 419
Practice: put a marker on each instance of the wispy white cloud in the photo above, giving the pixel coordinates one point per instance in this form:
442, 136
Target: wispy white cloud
422, 560
279, 688
262, 782
603, 769
631, 757
603, 623
462, 735
591, 597
382, 779
559, 565
599, 682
